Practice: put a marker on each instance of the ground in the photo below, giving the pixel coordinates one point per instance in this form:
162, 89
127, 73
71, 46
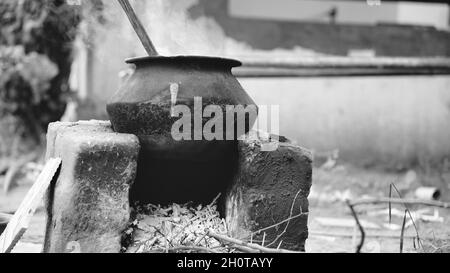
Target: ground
331, 187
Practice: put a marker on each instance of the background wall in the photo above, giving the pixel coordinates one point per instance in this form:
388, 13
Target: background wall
388, 38
391, 120
346, 12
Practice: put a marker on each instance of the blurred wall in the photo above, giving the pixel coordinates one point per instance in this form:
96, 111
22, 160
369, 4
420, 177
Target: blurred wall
395, 121
353, 12
391, 120
371, 120
386, 39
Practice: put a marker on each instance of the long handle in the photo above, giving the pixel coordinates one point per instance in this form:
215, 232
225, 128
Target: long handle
138, 28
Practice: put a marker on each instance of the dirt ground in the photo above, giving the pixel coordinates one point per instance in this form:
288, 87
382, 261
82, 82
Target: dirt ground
331, 187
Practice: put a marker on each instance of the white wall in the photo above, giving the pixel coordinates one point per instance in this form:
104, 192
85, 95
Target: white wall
387, 120
424, 14
310, 10
380, 119
358, 12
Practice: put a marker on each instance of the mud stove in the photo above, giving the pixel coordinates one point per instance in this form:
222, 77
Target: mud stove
108, 166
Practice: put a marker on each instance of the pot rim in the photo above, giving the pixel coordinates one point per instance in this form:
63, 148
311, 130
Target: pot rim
197, 59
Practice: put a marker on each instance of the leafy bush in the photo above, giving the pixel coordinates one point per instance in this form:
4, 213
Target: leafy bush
35, 60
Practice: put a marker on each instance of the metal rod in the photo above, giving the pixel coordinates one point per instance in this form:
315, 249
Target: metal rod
138, 28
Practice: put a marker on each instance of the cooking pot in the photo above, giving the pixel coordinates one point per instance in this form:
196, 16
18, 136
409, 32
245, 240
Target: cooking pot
170, 170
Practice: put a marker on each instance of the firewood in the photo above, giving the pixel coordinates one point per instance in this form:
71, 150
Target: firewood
257, 247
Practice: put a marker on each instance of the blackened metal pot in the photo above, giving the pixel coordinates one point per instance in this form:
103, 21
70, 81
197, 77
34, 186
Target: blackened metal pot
169, 170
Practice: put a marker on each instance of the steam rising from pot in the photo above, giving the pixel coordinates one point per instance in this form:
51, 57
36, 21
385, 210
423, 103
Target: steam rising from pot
174, 32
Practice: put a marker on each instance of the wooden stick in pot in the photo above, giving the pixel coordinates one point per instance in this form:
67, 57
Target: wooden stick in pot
138, 28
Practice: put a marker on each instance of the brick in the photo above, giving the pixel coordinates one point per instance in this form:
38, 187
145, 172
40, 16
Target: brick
88, 206
263, 194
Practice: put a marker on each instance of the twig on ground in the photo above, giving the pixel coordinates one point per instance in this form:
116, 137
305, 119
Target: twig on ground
192, 248
199, 241
408, 211
361, 229
228, 240
214, 201
374, 201
163, 235
288, 221
187, 225
246, 249
279, 224
404, 202
441, 249
390, 204
410, 215
279, 245
402, 234
348, 235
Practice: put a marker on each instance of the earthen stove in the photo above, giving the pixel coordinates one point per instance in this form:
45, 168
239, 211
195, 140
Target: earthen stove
107, 167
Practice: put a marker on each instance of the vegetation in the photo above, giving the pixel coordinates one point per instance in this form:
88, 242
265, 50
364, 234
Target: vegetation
35, 60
